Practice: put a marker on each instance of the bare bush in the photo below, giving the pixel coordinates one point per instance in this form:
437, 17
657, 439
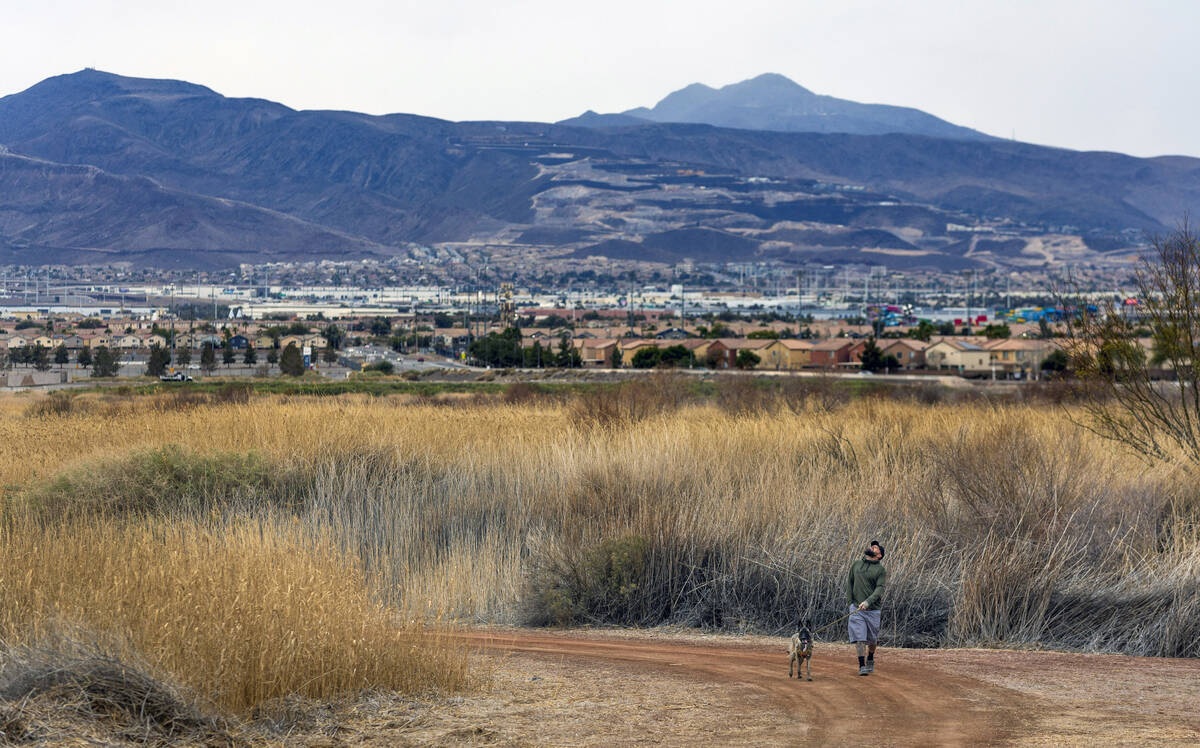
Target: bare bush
103, 682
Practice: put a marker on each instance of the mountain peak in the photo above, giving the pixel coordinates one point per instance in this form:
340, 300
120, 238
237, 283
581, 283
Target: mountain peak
769, 81
93, 83
771, 101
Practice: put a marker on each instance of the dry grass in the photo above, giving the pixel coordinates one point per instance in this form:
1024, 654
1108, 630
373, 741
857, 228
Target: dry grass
1004, 522
238, 613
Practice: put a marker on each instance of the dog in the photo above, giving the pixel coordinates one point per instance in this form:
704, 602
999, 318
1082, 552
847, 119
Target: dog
800, 650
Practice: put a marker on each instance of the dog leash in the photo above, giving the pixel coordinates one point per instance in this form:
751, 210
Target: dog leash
833, 623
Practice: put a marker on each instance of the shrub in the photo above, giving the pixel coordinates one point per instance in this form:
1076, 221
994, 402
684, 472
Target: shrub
166, 481
383, 367
55, 404
604, 584
237, 393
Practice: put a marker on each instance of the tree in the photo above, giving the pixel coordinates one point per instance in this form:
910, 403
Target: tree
536, 356
273, 356
208, 358
329, 354
1056, 363
923, 331
104, 363
160, 359
291, 362
249, 356
41, 357
676, 355
1121, 396
996, 331
747, 359
568, 355
766, 334
498, 349
61, 355
614, 360
646, 358
183, 356
871, 357
381, 327
333, 336
227, 354
1044, 331
84, 357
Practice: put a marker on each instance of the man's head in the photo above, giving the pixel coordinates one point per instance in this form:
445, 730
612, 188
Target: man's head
874, 551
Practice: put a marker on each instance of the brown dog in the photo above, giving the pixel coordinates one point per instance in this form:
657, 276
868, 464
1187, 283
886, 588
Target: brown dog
800, 652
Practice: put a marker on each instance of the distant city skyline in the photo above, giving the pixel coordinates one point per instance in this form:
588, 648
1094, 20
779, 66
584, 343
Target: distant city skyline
1083, 75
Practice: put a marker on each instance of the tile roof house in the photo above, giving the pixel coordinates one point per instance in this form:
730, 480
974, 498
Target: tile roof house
730, 347
829, 354
1012, 355
910, 353
787, 354
596, 352
958, 355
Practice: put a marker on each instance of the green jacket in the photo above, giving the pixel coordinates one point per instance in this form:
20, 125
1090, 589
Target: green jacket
866, 582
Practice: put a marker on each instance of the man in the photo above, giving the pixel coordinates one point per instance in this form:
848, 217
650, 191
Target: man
864, 588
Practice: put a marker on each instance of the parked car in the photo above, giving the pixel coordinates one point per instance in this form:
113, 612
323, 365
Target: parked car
178, 376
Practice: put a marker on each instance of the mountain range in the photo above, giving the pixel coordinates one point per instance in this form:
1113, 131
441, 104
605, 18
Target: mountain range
98, 168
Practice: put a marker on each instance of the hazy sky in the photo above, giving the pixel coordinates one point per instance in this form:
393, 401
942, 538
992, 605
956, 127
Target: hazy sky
1090, 75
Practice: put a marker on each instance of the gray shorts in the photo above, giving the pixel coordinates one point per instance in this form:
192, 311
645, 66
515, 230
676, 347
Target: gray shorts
864, 625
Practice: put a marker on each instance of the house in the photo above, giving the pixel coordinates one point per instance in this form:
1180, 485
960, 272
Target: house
150, 341
287, 340
786, 355
630, 346
239, 342
732, 346
1023, 358
596, 352
98, 340
672, 333
958, 355
829, 354
202, 339
16, 341
318, 341
41, 339
264, 341
699, 348
909, 352
127, 341
72, 342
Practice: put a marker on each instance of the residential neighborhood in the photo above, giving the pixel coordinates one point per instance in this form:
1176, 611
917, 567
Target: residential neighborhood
547, 338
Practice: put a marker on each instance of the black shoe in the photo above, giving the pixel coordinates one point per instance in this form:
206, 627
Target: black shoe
863, 670
870, 666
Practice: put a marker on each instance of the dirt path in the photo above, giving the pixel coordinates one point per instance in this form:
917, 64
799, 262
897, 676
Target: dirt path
903, 703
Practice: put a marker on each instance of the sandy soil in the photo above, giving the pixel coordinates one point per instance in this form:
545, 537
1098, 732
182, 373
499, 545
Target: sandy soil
619, 688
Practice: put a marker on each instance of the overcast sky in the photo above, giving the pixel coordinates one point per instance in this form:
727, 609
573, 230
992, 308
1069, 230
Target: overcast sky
1090, 75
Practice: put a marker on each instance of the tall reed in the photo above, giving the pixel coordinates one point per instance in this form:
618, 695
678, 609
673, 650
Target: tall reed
1004, 523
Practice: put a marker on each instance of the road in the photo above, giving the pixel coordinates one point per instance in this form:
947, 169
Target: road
916, 703
915, 698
